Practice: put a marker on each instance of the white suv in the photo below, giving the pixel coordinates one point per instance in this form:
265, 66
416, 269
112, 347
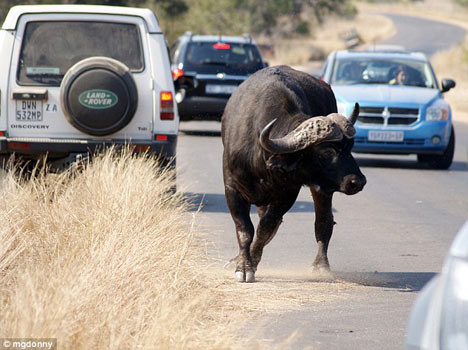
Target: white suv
77, 78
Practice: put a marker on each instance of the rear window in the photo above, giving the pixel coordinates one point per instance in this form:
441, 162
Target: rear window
50, 48
215, 57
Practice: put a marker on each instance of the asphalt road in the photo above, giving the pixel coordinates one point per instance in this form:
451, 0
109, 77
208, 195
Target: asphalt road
389, 239
424, 35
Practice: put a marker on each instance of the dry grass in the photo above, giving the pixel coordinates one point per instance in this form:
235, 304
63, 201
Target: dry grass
108, 258
105, 259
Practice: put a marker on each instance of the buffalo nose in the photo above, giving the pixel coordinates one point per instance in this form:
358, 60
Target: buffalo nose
354, 183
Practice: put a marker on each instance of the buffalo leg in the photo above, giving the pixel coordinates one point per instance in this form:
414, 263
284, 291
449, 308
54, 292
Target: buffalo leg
323, 227
240, 212
270, 220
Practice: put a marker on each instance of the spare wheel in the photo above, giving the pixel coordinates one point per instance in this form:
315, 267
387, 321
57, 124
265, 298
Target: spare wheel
98, 95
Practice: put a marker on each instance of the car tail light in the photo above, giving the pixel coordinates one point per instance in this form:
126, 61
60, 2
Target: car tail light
221, 46
167, 106
160, 137
177, 73
19, 145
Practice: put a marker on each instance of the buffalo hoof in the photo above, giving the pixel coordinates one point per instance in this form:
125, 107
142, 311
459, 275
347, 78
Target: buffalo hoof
250, 277
245, 276
322, 273
240, 276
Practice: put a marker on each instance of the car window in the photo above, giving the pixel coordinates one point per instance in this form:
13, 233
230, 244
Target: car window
50, 48
382, 71
214, 57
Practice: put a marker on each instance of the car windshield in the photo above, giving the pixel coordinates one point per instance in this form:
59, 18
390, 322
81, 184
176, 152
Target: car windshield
351, 71
50, 48
216, 57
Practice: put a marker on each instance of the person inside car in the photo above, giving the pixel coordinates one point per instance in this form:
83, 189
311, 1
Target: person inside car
402, 76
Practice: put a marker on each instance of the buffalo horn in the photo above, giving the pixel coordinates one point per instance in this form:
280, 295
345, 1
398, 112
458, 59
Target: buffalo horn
311, 131
276, 146
354, 114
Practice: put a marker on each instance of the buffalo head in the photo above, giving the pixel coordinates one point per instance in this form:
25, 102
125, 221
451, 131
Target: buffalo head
319, 152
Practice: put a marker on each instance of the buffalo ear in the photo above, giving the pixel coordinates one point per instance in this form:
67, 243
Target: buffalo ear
282, 163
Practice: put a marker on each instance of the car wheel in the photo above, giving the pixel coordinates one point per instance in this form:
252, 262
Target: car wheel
98, 95
444, 160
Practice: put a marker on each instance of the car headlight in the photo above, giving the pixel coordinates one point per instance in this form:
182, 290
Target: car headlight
437, 113
342, 107
454, 317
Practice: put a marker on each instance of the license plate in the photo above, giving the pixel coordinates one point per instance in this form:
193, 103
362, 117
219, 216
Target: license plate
386, 136
29, 110
220, 89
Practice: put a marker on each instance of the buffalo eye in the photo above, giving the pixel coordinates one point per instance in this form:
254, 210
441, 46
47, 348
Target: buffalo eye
328, 153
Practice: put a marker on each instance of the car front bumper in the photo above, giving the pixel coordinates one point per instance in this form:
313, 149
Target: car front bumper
418, 139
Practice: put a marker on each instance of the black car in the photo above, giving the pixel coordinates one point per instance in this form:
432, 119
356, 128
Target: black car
214, 66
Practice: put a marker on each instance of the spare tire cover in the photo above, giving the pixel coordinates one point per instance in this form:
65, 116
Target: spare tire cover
98, 95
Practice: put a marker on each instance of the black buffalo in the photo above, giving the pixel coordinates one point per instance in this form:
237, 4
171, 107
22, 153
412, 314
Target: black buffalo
280, 131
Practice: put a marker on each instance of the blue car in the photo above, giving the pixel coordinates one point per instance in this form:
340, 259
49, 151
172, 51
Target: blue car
402, 106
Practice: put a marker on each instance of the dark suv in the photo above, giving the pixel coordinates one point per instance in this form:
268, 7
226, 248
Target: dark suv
215, 66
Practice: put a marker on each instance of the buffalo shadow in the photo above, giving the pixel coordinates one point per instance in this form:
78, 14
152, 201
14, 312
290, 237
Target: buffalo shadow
405, 282
216, 203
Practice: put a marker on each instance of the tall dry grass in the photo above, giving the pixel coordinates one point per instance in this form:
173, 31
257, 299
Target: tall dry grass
105, 258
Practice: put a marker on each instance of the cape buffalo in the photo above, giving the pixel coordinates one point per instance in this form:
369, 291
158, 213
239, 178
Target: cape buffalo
280, 131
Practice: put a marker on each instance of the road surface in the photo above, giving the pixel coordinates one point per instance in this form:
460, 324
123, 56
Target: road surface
389, 239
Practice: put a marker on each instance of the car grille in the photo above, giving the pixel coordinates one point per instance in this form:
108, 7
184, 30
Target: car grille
388, 115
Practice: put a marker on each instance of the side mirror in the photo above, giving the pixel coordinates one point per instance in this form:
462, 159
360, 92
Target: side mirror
447, 84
